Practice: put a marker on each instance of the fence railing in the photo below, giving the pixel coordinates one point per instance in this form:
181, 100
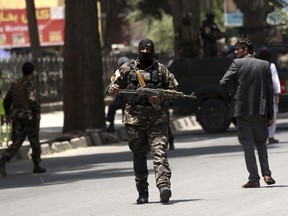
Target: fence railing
49, 77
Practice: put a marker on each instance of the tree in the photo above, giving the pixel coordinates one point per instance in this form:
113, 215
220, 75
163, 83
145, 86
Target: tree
217, 7
113, 8
179, 6
140, 9
161, 32
153, 12
255, 14
33, 30
34, 38
82, 72
156, 15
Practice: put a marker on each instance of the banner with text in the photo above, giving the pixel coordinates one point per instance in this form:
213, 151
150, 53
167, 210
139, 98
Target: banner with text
14, 27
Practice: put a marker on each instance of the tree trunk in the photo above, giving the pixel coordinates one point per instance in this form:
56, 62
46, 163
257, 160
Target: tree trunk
33, 29
177, 13
113, 7
254, 22
34, 40
82, 73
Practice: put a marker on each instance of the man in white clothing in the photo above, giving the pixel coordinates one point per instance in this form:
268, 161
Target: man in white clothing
264, 54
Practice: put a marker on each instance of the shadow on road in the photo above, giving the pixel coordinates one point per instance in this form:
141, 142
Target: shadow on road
173, 201
62, 170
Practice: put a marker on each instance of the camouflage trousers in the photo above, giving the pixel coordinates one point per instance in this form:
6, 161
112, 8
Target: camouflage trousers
22, 128
142, 139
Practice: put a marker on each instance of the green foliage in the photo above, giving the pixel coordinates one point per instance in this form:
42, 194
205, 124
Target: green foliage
141, 9
156, 15
217, 6
162, 33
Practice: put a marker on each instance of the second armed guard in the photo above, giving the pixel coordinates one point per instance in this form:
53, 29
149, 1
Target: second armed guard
210, 33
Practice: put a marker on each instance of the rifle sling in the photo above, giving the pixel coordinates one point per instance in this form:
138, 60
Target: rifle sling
140, 79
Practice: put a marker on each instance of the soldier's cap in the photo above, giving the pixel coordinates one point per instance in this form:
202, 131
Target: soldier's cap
146, 43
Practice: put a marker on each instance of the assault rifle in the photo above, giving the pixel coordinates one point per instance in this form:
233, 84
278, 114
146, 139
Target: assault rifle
162, 94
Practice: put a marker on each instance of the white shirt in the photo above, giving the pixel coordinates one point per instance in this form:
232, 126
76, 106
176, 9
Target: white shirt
275, 79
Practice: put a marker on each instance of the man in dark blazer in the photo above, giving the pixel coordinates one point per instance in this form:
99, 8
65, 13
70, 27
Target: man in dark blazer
247, 85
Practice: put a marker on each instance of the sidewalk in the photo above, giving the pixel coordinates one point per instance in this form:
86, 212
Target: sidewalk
53, 141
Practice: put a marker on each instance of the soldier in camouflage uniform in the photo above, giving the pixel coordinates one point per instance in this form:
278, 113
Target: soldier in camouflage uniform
21, 105
187, 38
210, 33
147, 128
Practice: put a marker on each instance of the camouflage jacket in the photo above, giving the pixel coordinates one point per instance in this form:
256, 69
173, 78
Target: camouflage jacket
20, 100
145, 114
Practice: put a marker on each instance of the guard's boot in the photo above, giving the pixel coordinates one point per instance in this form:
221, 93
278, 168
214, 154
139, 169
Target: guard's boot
143, 198
110, 128
171, 144
3, 161
165, 194
38, 168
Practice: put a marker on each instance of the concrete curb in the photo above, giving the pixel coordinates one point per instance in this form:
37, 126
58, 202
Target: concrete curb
91, 138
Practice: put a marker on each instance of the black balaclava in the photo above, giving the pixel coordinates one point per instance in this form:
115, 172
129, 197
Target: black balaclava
146, 59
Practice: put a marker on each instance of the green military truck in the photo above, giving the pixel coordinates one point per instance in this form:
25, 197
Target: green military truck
202, 75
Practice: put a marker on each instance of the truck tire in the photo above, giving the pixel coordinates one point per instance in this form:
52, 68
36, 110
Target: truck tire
214, 116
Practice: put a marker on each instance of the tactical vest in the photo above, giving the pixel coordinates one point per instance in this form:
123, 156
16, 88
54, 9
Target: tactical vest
152, 77
19, 95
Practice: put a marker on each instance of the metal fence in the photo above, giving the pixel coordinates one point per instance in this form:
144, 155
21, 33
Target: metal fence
49, 78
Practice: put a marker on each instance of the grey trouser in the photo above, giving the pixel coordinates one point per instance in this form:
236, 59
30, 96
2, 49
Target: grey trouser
252, 129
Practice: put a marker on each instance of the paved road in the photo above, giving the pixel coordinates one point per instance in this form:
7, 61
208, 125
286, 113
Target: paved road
208, 171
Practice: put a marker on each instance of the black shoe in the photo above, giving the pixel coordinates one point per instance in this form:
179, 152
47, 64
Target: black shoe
2, 168
272, 140
38, 169
143, 198
165, 194
269, 180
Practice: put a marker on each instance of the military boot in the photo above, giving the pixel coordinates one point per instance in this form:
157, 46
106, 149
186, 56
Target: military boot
143, 197
165, 194
110, 128
171, 143
3, 161
38, 168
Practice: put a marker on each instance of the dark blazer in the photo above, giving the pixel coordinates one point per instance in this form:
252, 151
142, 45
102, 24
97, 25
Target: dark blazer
248, 85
